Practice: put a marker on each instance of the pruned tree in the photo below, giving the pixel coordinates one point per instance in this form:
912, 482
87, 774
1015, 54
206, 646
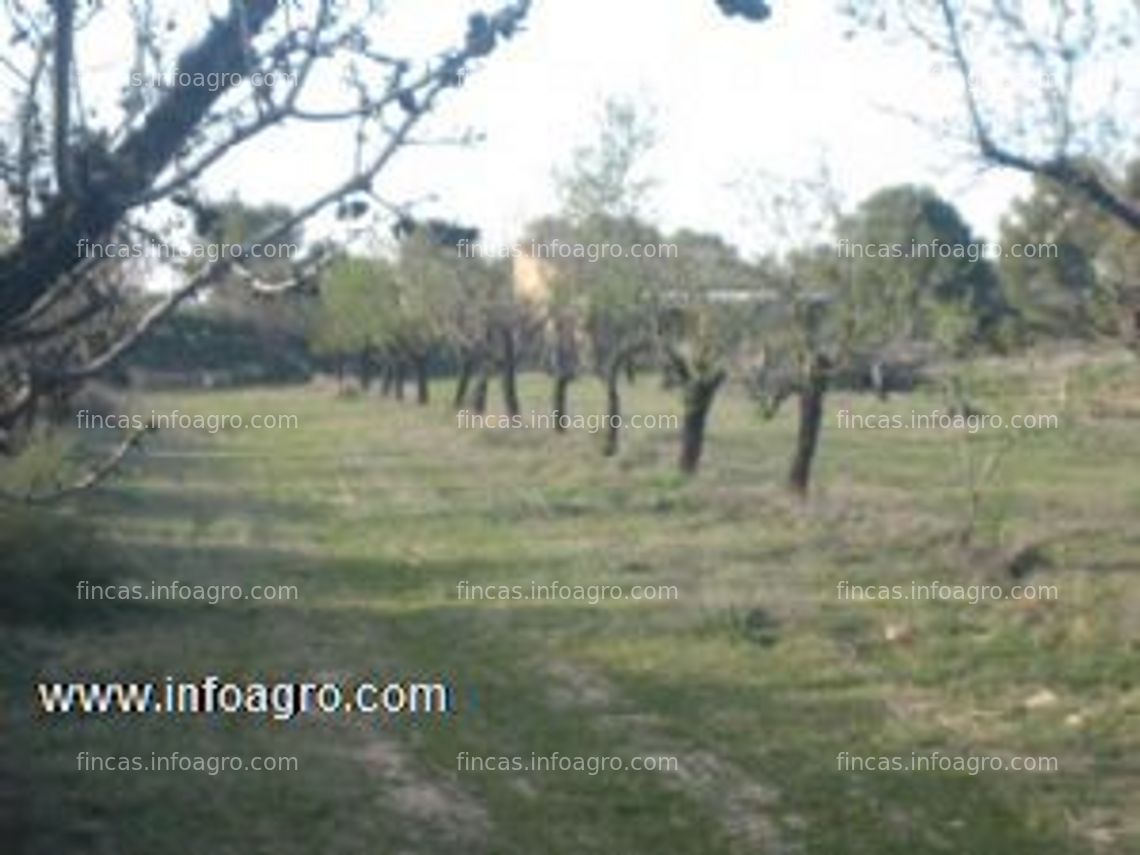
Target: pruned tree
802, 342
711, 303
443, 303
480, 303
865, 286
608, 296
355, 318
844, 293
553, 296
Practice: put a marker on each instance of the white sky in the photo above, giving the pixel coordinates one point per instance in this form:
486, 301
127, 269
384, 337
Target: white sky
731, 97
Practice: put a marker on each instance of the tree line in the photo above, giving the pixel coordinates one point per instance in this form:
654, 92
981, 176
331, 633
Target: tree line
874, 293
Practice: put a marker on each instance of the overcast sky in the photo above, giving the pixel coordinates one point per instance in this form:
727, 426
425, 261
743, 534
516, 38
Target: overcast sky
730, 98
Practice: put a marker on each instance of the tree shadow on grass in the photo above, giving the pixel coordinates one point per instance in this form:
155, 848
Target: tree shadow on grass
358, 618
136, 502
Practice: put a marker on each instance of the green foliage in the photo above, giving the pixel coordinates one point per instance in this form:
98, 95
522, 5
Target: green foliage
603, 177
358, 297
380, 578
427, 291
613, 298
909, 257
715, 306
221, 227
616, 298
1068, 283
429, 299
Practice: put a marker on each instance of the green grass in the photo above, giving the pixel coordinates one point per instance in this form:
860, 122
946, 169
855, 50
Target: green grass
377, 510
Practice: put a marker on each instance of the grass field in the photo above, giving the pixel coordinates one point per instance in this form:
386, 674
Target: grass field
755, 678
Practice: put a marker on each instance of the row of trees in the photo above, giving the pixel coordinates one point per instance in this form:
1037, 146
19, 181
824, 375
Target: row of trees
845, 308
1048, 92
401, 317
79, 170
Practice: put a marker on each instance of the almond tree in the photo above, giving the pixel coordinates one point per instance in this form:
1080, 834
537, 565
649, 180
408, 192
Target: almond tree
711, 306
608, 296
74, 176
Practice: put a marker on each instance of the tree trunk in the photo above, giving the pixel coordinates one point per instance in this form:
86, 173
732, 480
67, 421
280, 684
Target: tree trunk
564, 365
510, 385
399, 373
423, 393
367, 367
463, 382
811, 421
613, 411
699, 394
387, 379
479, 393
339, 368
879, 380
623, 359
561, 391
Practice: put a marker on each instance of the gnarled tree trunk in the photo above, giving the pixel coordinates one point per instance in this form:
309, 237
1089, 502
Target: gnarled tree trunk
463, 382
699, 394
564, 363
510, 373
811, 397
561, 393
367, 367
423, 393
399, 374
479, 392
623, 359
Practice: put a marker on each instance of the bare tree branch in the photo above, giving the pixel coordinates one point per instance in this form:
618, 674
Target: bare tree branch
91, 479
1060, 169
64, 47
